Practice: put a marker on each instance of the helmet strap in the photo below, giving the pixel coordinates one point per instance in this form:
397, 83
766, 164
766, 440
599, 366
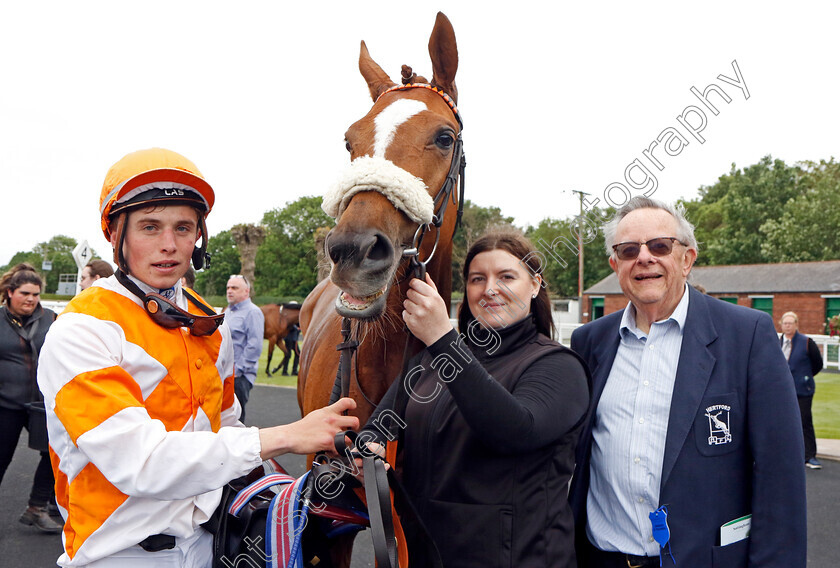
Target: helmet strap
200, 256
119, 257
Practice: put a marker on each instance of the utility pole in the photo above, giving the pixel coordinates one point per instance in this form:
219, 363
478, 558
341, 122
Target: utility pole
580, 255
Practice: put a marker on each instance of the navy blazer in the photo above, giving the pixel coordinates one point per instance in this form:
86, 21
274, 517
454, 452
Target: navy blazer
730, 356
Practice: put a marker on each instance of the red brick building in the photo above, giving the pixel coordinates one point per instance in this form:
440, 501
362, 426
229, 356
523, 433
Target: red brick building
811, 289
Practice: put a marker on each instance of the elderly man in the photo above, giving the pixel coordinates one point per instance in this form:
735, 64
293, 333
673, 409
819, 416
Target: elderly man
691, 451
247, 325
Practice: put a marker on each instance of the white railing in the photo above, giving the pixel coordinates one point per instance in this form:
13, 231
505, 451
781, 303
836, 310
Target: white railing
829, 347
55, 305
564, 332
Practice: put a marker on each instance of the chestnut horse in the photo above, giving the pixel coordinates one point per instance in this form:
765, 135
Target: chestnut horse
278, 320
402, 153
415, 130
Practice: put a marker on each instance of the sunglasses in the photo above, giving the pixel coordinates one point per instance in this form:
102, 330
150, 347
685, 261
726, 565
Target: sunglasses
167, 314
660, 246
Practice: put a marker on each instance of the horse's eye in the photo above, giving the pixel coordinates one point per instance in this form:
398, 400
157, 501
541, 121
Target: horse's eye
445, 140
347, 145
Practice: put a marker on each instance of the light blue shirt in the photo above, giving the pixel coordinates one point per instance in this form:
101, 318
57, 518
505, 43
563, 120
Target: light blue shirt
247, 325
628, 438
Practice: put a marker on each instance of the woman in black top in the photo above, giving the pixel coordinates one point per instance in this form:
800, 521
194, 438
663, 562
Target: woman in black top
491, 417
23, 326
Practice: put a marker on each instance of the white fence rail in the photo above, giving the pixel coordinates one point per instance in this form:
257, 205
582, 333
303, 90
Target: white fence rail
829, 347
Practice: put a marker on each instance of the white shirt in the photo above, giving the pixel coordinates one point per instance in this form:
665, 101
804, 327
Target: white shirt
631, 424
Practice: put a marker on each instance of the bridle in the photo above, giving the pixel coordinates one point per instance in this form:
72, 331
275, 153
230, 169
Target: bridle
376, 479
457, 169
417, 267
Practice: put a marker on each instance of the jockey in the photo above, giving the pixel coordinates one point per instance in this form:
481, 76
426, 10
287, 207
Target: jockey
137, 376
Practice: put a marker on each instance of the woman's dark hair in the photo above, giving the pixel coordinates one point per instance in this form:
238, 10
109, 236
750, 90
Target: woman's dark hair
100, 268
17, 276
518, 245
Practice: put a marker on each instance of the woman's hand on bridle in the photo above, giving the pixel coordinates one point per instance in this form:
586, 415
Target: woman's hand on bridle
425, 312
371, 449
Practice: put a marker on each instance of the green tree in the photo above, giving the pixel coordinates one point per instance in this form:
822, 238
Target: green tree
287, 259
557, 239
224, 262
730, 214
59, 251
474, 221
806, 230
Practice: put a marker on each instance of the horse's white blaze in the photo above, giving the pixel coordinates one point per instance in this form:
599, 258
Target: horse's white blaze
390, 119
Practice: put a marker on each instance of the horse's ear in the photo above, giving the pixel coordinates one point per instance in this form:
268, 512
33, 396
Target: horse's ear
377, 80
444, 53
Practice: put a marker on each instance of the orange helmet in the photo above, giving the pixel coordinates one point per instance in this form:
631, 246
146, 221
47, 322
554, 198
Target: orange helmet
159, 176
149, 175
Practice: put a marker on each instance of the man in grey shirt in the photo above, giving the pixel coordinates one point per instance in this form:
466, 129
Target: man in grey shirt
247, 323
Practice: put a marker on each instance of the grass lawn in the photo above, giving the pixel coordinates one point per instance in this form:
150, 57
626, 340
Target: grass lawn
275, 379
826, 407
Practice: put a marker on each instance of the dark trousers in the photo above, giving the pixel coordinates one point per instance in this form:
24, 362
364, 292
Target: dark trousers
593, 557
808, 426
11, 424
291, 347
242, 389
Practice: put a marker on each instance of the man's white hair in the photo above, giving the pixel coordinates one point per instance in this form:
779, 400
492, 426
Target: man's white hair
685, 230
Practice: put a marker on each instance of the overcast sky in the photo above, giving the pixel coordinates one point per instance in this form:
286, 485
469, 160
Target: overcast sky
258, 94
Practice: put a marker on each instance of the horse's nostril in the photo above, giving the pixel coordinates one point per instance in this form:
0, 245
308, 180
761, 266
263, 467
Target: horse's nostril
341, 251
381, 249
372, 251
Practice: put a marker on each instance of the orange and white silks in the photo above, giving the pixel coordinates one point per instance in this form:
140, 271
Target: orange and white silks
142, 421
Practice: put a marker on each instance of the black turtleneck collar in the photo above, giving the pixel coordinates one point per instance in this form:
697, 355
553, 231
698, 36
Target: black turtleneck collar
512, 337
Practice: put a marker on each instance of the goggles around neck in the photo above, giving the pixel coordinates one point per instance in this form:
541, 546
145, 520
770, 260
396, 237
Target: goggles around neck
167, 314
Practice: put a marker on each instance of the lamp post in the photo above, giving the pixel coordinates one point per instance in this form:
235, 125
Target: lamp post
580, 255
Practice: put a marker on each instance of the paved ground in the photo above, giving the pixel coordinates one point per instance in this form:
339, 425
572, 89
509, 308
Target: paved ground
22, 546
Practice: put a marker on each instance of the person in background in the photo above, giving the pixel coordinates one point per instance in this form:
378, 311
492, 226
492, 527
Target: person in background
487, 454
137, 377
247, 328
805, 361
690, 455
23, 326
93, 271
188, 279
292, 347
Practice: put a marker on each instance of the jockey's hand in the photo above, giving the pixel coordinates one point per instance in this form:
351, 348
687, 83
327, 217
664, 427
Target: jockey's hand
313, 433
425, 311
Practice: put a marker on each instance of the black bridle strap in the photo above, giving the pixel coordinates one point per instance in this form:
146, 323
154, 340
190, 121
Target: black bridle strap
449, 184
379, 510
341, 386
